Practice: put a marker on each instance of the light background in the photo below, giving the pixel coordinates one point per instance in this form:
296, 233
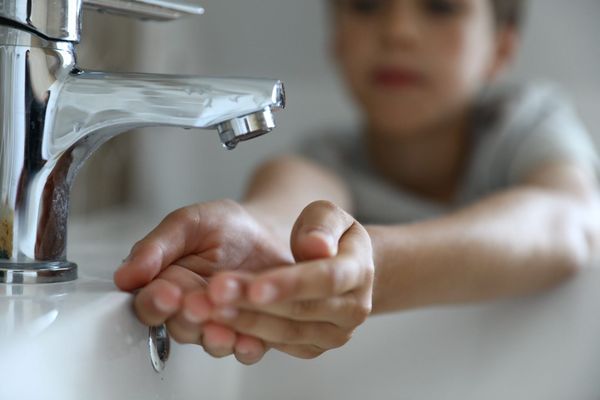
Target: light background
161, 169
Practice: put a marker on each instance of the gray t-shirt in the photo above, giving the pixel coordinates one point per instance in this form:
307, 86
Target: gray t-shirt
516, 130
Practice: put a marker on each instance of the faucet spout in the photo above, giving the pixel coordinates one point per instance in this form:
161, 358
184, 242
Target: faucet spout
92, 107
89, 108
53, 116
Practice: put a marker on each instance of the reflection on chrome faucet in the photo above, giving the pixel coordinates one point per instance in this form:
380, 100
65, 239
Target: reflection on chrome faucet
53, 116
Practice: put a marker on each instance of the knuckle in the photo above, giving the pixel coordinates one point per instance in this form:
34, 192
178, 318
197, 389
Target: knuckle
361, 313
341, 339
218, 255
304, 308
292, 333
358, 310
336, 337
332, 276
337, 274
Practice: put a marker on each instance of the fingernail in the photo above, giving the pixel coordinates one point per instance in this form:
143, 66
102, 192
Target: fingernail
227, 312
191, 317
163, 305
267, 293
231, 291
244, 351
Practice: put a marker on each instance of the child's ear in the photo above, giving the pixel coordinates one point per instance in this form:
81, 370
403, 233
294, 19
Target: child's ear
507, 44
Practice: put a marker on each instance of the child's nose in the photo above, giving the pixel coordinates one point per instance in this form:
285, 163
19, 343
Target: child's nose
400, 26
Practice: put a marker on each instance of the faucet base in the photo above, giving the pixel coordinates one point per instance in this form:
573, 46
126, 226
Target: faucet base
37, 272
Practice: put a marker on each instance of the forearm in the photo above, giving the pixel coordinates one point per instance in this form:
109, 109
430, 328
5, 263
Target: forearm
513, 243
280, 189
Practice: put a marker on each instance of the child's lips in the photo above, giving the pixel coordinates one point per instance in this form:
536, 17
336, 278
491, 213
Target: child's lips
397, 78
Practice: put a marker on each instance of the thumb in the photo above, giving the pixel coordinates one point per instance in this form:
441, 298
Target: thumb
318, 230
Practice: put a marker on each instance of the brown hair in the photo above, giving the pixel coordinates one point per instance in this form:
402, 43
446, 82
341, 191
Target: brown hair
509, 13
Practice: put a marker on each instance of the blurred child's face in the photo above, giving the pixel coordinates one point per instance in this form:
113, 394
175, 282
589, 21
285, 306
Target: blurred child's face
415, 64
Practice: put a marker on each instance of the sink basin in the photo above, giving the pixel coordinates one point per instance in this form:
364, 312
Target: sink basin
81, 340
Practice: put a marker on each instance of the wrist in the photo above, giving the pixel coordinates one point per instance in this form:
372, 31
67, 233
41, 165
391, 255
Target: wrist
377, 235
394, 285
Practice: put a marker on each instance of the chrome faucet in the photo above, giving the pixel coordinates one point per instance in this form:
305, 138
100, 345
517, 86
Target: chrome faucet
53, 116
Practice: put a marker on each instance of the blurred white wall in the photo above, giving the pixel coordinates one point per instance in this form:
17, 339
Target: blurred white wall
287, 39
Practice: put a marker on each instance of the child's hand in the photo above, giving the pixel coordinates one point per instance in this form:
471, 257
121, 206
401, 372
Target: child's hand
305, 309
182, 253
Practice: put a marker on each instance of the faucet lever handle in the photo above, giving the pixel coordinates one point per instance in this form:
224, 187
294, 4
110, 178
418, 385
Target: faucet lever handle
156, 10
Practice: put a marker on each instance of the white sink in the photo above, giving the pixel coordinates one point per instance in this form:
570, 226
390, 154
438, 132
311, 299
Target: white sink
81, 340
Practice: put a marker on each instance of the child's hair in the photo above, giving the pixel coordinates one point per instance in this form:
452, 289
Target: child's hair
509, 13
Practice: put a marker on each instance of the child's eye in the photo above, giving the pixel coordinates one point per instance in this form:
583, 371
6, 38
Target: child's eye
442, 7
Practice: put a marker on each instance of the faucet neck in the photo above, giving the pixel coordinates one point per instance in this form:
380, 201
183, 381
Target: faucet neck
31, 69
58, 20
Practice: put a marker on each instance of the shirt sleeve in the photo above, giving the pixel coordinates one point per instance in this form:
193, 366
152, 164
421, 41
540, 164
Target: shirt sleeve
335, 151
541, 127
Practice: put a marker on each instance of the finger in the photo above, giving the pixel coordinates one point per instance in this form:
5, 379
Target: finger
175, 237
158, 301
182, 330
279, 330
300, 351
317, 231
218, 340
228, 287
249, 350
184, 279
351, 269
345, 311
197, 307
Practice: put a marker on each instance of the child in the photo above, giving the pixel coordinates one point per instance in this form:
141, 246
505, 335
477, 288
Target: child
472, 192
